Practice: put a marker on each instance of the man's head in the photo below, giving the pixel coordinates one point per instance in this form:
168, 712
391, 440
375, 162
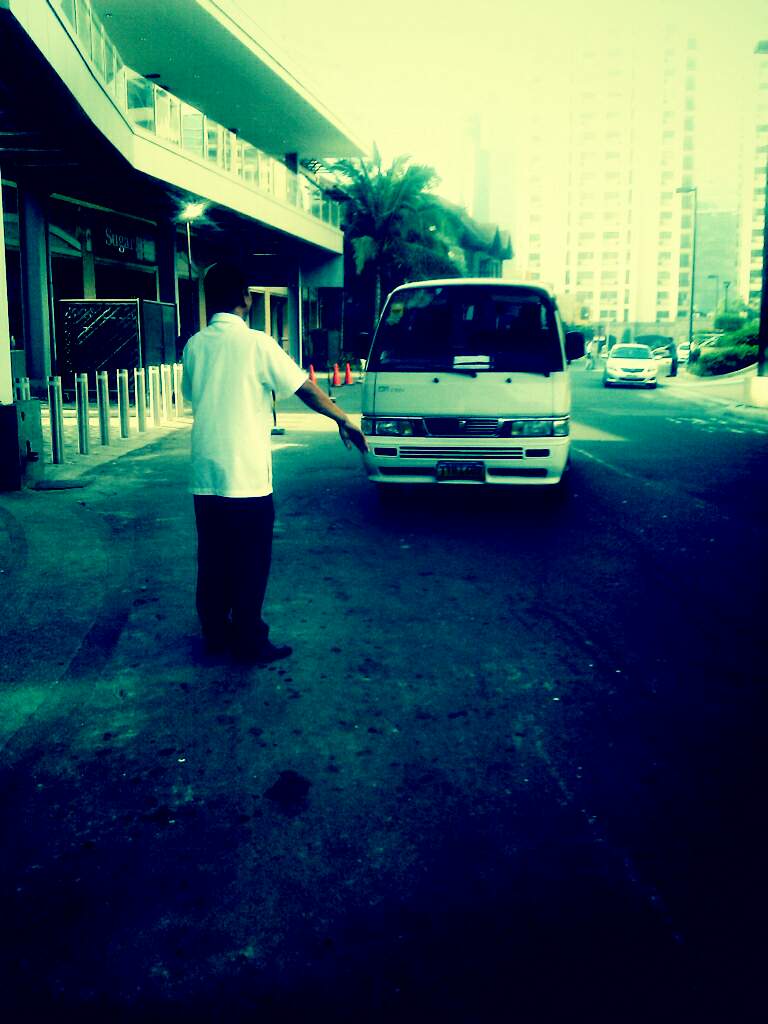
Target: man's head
226, 290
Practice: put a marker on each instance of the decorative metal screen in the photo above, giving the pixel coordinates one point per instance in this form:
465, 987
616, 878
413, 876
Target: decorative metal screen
98, 334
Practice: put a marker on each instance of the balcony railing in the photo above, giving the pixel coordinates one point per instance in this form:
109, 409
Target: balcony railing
157, 112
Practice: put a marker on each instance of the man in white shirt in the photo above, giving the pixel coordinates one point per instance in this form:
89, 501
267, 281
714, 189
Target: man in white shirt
230, 373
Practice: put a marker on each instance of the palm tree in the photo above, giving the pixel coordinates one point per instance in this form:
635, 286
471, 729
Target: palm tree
390, 221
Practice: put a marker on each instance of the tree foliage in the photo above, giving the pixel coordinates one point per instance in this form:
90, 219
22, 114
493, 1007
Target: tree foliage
392, 224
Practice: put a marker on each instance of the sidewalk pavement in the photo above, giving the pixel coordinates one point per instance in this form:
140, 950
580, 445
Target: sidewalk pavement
736, 390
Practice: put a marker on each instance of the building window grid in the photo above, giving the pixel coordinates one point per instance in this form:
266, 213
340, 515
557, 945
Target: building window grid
150, 108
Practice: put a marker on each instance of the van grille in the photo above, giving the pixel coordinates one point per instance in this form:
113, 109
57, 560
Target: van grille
451, 426
456, 452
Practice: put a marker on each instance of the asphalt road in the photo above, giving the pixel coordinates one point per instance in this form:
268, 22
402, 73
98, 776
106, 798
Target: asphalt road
513, 770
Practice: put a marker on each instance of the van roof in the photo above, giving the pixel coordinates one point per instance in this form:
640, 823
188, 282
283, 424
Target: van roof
461, 282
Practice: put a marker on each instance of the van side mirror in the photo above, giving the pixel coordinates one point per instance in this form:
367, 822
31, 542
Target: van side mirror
574, 345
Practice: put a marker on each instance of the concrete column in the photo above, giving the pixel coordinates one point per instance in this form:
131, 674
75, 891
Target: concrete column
6, 377
166, 265
89, 266
293, 314
33, 229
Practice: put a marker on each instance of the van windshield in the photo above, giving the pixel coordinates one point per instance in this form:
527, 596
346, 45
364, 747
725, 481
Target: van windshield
469, 330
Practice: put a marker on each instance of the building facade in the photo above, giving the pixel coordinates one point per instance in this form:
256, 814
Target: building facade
129, 166
753, 195
604, 137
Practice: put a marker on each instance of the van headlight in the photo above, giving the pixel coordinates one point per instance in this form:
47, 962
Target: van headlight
388, 428
539, 428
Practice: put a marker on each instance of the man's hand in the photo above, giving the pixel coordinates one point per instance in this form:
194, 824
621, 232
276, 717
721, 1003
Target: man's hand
352, 435
311, 395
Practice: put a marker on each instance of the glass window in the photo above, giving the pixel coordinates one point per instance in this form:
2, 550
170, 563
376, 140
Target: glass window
192, 130
250, 158
265, 174
279, 183
213, 133
67, 8
110, 67
97, 49
506, 328
227, 149
140, 101
84, 25
168, 114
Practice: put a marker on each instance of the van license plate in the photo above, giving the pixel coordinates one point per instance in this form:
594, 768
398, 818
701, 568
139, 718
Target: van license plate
460, 471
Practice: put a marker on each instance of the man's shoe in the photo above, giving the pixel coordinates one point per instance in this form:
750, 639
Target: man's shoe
264, 654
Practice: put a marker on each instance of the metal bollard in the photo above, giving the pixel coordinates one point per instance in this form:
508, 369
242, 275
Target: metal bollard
22, 389
123, 403
102, 398
56, 420
83, 413
178, 394
154, 394
140, 384
165, 390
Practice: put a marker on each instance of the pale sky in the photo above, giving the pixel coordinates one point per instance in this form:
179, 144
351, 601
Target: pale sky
410, 74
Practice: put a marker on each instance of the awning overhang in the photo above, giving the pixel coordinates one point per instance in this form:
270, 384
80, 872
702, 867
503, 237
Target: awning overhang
209, 54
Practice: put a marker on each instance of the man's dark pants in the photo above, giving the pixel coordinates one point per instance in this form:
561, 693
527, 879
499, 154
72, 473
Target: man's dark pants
234, 552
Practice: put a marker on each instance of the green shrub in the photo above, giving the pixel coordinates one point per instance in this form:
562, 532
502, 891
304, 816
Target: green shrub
728, 322
713, 361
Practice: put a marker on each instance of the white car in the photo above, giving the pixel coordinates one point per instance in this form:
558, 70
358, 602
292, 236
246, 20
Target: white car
631, 364
683, 351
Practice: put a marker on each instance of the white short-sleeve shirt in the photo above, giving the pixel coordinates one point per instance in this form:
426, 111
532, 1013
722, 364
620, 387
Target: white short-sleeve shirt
230, 373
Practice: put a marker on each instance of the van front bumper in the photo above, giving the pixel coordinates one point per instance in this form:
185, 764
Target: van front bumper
535, 461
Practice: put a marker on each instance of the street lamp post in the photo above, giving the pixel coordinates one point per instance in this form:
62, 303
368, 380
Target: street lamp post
726, 286
762, 334
686, 190
716, 279
190, 213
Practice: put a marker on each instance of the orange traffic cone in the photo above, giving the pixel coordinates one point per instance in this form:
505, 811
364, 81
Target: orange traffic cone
347, 375
336, 376
312, 374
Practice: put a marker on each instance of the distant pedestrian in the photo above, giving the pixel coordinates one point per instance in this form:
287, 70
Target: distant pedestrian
230, 373
591, 353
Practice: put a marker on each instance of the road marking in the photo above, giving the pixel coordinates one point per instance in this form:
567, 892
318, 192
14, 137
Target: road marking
616, 469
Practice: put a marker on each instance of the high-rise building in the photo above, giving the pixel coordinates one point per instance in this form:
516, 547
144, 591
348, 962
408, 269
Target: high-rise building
753, 197
604, 137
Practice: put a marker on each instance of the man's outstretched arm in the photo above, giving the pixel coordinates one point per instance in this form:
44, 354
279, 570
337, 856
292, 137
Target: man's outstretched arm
312, 396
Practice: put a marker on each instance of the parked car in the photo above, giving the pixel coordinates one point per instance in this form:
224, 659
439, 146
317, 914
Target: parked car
631, 364
683, 351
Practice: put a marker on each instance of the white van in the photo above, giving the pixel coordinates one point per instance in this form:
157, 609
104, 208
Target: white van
467, 382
